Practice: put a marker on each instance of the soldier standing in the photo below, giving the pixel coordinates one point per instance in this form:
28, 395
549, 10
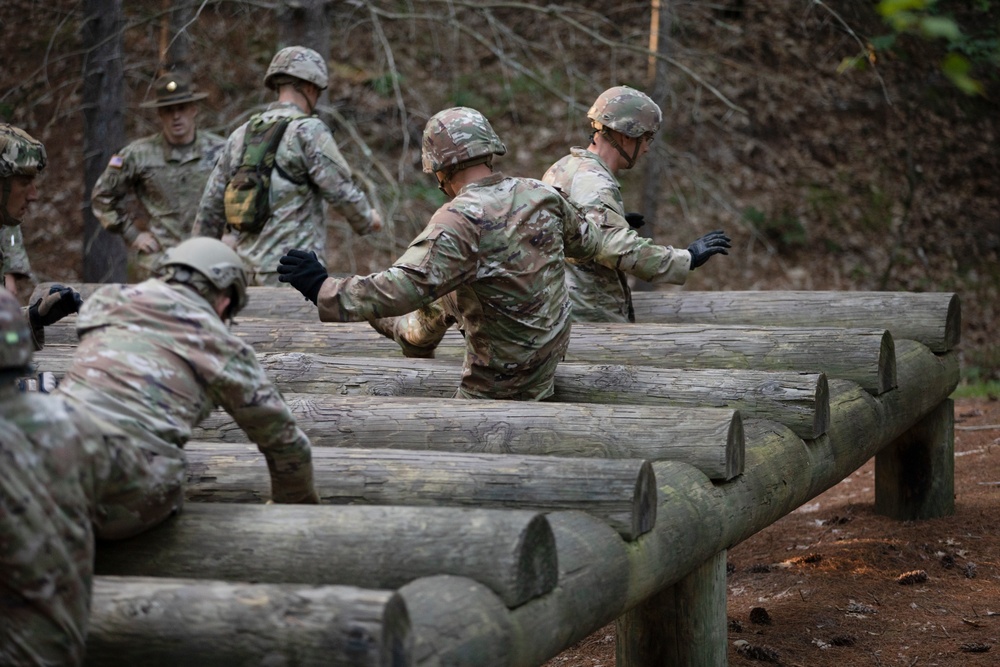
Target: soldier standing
166, 172
625, 121
58, 465
492, 260
156, 358
308, 169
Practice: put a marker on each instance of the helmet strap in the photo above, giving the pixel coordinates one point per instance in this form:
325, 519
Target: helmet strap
629, 159
450, 172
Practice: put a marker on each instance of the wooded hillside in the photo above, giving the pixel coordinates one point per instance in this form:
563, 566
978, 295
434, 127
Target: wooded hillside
882, 177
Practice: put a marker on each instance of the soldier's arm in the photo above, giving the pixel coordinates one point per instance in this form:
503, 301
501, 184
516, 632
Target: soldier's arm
623, 249
211, 217
329, 171
107, 200
245, 392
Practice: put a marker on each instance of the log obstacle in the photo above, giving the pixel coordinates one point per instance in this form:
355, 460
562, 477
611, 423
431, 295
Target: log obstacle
862, 355
931, 318
798, 400
168, 622
621, 492
711, 439
510, 551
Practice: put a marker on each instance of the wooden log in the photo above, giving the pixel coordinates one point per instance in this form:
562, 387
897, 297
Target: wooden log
710, 439
621, 492
169, 622
510, 551
798, 400
931, 318
864, 356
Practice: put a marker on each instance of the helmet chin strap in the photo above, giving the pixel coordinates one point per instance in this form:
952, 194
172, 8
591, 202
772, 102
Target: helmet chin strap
629, 159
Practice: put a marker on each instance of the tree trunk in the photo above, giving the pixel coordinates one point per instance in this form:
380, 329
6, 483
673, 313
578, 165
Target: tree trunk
621, 492
510, 551
103, 130
175, 39
170, 622
710, 439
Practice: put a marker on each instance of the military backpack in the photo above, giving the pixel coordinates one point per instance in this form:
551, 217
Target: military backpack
248, 192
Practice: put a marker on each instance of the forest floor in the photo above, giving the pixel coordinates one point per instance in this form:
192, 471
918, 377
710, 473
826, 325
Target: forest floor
833, 584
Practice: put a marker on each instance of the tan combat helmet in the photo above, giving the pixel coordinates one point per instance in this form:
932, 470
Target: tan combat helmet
457, 138
16, 345
214, 261
299, 62
628, 111
20, 155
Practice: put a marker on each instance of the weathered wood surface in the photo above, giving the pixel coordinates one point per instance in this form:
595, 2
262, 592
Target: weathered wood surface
510, 551
621, 492
864, 356
711, 439
169, 622
931, 318
799, 400
600, 576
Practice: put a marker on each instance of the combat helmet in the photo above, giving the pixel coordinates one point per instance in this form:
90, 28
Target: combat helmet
626, 110
214, 261
457, 138
16, 344
299, 62
20, 155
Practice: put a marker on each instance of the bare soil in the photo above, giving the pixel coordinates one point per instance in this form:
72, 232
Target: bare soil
833, 584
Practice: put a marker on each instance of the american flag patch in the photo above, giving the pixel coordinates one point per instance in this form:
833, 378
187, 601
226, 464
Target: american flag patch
116, 161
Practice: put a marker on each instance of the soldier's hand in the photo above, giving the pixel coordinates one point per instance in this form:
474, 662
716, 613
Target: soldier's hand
635, 220
303, 270
57, 304
146, 243
713, 243
376, 224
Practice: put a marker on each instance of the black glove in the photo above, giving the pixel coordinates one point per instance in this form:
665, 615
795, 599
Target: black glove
635, 220
303, 270
713, 243
57, 304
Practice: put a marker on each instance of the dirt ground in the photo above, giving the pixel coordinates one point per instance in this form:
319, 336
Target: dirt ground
834, 585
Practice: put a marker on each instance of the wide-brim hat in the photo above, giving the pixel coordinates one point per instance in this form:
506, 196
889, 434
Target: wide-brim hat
174, 88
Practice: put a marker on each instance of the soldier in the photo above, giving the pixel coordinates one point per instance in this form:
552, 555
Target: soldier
58, 465
166, 172
625, 121
22, 158
14, 258
308, 169
492, 260
156, 358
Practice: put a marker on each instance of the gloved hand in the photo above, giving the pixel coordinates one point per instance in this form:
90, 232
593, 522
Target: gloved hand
635, 220
303, 270
57, 304
713, 243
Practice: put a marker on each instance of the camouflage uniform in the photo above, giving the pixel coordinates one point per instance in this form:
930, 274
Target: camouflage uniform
167, 180
601, 293
13, 255
155, 359
308, 154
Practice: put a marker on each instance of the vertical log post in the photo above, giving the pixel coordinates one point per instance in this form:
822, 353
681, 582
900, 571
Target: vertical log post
684, 624
915, 474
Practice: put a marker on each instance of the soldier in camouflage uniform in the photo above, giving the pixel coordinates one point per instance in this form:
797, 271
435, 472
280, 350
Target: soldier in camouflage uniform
156, 358
166, 172
625, 122
22, 158
309, 169
57, 465
492, 260
14, 258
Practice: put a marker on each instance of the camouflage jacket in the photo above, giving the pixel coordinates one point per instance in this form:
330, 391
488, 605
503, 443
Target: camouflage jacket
55, 466
497, 251
155, 359
307, 154
167, 180
600, 293
13, 256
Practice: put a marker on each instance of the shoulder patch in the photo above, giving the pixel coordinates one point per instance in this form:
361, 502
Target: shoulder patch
116, 161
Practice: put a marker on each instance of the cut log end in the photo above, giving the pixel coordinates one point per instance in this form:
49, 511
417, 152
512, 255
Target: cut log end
953, 323
821, 413
735, 447
644, 518
886, 364
537, 564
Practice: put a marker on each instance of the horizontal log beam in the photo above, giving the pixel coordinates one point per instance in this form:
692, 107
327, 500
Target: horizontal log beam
798, 400
711, 439
168, 622
931, 318
621, 492
510, 551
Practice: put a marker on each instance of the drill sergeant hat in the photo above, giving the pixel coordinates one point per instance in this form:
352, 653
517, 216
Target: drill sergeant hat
174, 88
